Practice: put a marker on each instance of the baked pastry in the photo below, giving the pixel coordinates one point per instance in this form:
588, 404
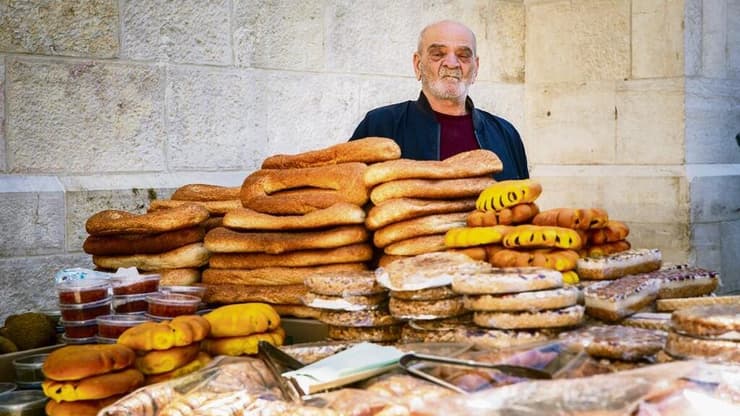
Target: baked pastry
162, 361
575, 218
93, 387
426, 309
523, 301
670, 305
125, 244
417, 227
242, 345
224, 240
559, 259
601, 250
206, 192
508, 193
401, 209
386, 333
683, 281
621, 264
475, 236
616, 342
415, 246
366, 318
708, 321
200, 361
648, 320
507, 280
75, 362
352, 253
185, 276
274, 276
215, 208
79, 407
570, 316
541, 236
238, 293
180, 331
110, 222
341, 213
433, 293
427, 270
365, 150
297, 311
684, 346
612, 232
517, 214
344, 283
242, 319
191, 255
344, 303
430, 188
616, 299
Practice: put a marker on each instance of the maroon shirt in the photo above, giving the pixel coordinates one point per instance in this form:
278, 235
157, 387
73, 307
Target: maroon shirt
456, 135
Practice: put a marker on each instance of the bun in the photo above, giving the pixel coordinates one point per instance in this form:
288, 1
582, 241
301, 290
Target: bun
401, 209
224, 240
200, 361
475, 236
203, 192
601, 250
430, 188
462, 165
94, 387
273, 276
162, 361
534, 236
75, 362
612, 232
558, 259
235, 346
180, 331
298, 311
506, 194
302, 190
191, 255
126, 244
121, 222
366, 150
417, 227
575, 218
518, 214
341, 213
78, 408
242, 319
238, 293
215, 208
353, 253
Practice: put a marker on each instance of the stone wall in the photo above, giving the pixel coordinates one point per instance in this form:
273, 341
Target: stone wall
107, 104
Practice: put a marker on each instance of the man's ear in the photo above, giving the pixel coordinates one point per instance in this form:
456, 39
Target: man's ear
417, 65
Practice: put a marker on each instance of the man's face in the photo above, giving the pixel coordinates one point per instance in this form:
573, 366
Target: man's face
447, 64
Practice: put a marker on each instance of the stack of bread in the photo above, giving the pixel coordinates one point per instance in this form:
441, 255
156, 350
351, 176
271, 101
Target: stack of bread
302, 214
709, 332
168, 349
237, 329
417, 201
353, 305
217, 199
168, 242
82, 379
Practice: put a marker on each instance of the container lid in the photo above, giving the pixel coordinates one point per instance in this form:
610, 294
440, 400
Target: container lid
198, 291
19, 400
88, 322
105, 340
30, 361
7, 388
121, 320
84, 284
117, 281
86, 340
89, 305
119, 299
172, 299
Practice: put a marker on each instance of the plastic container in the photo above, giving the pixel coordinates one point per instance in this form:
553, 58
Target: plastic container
198, 291
83, 291
80, 329
170, 305
112, 326
104, 340
28, 372
130, 303
85, 311
78, 341
132, 285
7, 388
23, 403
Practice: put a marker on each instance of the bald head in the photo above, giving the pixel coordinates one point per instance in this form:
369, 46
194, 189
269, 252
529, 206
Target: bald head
445, 29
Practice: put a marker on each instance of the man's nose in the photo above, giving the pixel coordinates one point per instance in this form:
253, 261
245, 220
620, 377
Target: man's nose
451, 61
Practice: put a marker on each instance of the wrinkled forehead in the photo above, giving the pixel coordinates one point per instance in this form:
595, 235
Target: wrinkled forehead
447, 34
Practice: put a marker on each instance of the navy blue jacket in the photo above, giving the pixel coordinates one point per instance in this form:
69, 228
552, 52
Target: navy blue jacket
414, 127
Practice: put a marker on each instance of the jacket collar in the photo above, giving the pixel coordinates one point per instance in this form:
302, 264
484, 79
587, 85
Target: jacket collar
423, 104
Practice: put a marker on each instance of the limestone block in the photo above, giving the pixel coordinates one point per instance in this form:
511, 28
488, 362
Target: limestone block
714, 38
706, 244
733, 39
279, 35
651, 199
27, 283
657, 39
503, 100
83, 117
2, 114
308, 111
216, 119
730, 271
379, 91
185, 31
33, 216
499, 29
62, 28
692, 37
571, 124
712, 120
578, 40
373, 37
650, 121
715, 198
671, 238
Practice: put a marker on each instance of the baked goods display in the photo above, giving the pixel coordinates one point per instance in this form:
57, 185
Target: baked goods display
616, 342
620, 264
90, 376
237, 329
612, 300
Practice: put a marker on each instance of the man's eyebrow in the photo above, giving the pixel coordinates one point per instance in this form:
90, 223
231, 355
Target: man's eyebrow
441, 46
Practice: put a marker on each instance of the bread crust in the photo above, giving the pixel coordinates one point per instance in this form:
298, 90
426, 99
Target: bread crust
707, 321
682, 346
430, 188
386, 333
238, 293
94, 387
468, 164
344, 303
125, 244
224, 240
426, 309
508, 280
353, 253
570, 316
274, 276
523, 301
341, 213
670, 305
417, 245
206, 192
215, 208
111, 222
163, 361
343, 283
302, 190
191, 255
417, 227
75, 362
178, 277
433, 293
401, 209
365, 150
365, 318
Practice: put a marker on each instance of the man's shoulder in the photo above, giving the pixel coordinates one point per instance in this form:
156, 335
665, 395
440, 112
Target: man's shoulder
503, 123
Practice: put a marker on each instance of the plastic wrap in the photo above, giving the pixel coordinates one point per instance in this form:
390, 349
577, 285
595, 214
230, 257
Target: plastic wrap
678, 388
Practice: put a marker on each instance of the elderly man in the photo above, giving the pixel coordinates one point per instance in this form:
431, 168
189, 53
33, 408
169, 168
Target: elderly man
443, 121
